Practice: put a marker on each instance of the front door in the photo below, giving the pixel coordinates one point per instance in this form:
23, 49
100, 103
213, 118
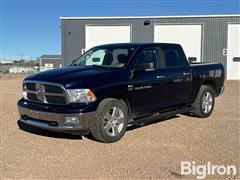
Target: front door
145, 82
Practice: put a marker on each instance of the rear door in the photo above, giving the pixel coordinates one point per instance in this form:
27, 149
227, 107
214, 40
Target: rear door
174, 77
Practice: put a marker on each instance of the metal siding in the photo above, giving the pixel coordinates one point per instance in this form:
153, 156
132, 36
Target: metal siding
214, 34
73, 40
63, 42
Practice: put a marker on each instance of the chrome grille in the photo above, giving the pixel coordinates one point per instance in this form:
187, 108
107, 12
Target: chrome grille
44, 93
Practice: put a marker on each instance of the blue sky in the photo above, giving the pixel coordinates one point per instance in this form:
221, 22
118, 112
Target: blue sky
30, 28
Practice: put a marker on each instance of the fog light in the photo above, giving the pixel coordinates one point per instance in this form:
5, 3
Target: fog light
71, 120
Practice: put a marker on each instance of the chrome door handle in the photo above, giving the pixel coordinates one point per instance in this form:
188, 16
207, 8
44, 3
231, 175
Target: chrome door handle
185, 73
160, 77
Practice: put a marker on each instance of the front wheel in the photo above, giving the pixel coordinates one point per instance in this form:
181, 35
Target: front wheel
204, 103
111, 121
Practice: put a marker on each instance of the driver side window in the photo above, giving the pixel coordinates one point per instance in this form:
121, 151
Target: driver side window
146, 60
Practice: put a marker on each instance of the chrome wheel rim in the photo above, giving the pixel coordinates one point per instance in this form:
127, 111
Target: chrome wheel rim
113, 121
207, 102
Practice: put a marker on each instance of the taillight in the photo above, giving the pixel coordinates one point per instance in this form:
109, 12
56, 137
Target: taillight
225, 75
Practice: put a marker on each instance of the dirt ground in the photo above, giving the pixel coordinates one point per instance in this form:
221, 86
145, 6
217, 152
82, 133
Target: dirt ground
152, 151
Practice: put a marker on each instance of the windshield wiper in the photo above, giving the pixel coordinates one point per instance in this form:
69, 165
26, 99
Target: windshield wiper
96, 65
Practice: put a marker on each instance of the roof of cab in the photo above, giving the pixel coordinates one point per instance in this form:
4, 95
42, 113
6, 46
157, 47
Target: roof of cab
135, 44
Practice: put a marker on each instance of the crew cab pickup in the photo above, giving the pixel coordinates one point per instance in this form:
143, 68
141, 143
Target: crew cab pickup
109, 86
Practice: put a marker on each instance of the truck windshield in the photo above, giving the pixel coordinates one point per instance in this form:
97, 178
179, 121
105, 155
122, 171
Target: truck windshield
112, 57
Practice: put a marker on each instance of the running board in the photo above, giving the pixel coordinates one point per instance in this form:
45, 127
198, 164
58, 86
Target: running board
175, 112
166, 114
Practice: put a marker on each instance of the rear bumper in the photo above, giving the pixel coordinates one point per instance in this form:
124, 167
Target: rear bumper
57, 121
222, 89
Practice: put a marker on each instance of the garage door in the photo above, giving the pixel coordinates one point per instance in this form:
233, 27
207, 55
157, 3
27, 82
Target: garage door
233, 57
97, 35
189, 36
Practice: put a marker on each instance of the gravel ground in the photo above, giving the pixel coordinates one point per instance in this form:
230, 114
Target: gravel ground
152, 151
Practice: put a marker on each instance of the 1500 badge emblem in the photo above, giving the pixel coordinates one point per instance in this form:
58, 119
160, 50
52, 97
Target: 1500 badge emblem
131, 87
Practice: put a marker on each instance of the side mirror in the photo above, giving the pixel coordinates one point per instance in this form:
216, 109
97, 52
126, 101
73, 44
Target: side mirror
132, 73
95, 59
145, 67
74, 61
192, 59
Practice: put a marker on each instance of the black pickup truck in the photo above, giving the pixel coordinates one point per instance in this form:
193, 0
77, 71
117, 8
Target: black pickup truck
111, 85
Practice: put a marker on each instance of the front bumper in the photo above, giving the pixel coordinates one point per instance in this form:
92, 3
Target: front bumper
56, 121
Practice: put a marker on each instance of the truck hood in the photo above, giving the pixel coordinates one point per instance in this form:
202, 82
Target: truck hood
72, 76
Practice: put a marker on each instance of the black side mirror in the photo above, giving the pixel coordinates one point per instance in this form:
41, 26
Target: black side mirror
132, 73
192, 59
95, 59
73, 62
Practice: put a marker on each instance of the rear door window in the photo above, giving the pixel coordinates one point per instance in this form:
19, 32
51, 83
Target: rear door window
171, 56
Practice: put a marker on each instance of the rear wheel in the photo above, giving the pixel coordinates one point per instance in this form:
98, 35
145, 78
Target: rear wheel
111, 121
204, 103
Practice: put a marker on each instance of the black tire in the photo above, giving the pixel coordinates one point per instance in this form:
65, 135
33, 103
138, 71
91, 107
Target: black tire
199, 111
99, 131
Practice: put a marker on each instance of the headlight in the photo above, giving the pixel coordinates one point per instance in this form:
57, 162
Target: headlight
81, 95
24, 92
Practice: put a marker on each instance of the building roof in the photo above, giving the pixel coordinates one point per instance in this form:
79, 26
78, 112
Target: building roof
51, 56
149, 17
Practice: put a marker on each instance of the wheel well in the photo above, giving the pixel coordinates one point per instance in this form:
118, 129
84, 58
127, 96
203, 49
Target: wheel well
211, 84
126, 102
